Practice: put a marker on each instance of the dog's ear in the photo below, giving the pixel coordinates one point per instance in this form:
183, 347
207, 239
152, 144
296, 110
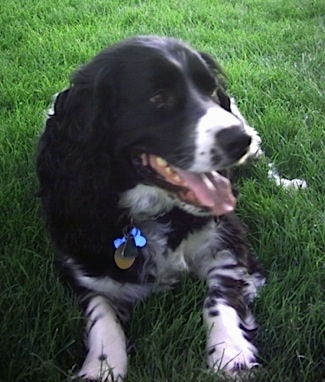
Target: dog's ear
221, 79
77, 180
216, 68
94, 92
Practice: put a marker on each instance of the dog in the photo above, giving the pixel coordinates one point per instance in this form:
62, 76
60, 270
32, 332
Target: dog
134, 168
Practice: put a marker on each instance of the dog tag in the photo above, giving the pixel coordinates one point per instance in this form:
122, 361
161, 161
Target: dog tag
121, 260
127, 247
130, 250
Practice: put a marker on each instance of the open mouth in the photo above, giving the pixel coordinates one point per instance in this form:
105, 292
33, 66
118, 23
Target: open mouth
209, 190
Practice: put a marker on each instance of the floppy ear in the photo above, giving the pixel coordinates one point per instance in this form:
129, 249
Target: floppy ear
77, 181
221, 78
216, 68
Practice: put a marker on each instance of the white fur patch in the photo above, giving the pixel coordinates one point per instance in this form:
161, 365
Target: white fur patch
50, 111
107, 357
214, 120
143, 201
232, 350
106, 286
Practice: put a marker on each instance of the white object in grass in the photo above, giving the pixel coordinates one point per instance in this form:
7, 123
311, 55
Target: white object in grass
283, 182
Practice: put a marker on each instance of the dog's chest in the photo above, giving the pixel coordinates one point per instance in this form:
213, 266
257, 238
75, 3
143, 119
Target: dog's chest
166, 262
159, 265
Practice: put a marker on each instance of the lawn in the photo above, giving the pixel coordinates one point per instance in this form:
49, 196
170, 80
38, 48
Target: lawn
273, 52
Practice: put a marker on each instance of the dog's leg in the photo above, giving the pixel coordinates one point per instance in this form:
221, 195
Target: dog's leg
230, 324
107, 357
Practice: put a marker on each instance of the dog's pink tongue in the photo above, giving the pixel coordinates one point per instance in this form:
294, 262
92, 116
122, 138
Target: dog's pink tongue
211, 190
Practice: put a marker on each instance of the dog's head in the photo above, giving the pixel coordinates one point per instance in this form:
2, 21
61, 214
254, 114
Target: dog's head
158, 112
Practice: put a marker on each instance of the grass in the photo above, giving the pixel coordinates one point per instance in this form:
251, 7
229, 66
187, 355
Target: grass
273, 52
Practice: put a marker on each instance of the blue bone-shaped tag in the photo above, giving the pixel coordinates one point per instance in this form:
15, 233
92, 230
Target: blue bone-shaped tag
134, 234
139, 240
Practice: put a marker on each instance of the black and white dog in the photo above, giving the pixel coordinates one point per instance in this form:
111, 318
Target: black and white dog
134, 182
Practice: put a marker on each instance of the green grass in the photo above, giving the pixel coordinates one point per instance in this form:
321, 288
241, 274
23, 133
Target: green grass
273, 52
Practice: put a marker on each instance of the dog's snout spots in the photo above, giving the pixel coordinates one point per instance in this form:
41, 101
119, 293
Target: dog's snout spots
235, 142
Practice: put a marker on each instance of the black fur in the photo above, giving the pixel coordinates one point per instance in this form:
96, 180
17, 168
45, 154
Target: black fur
84, 157
146, 95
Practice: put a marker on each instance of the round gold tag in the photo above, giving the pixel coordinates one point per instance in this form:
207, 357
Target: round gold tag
123, 262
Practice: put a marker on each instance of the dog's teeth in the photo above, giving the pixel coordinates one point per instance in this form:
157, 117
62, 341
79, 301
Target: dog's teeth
169, 171
161, 162
144, 159
177, 178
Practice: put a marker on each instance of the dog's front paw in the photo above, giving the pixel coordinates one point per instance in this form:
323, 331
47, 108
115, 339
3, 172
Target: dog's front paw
98, 369
232, 360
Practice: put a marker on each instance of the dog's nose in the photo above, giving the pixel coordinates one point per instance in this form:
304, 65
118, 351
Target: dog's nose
233, 141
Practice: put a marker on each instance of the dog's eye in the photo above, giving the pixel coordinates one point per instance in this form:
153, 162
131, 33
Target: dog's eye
160, 99
210, 90
224, 100
213, 93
